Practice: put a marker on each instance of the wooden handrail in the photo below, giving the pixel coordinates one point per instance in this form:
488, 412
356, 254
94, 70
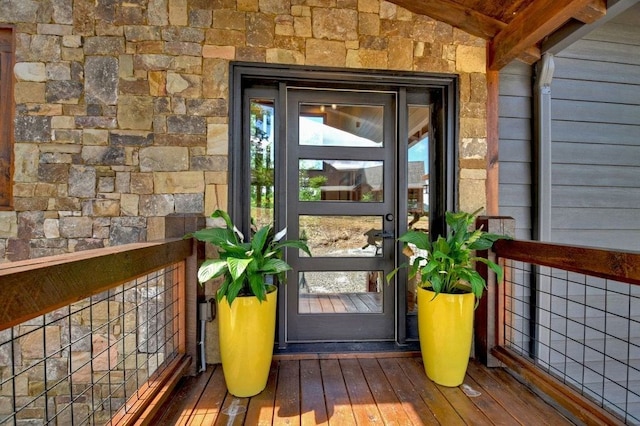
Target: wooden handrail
622, 266
34, 287
614, 265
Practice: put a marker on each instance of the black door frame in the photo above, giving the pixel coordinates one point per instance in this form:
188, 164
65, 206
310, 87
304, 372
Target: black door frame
443, 156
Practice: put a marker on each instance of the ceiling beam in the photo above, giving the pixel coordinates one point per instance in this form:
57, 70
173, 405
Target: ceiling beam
592, 12
538, 20
530, 55
468, 20
574, 31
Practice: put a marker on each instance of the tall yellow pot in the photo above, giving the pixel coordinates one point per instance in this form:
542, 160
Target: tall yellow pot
247, 333
445, 327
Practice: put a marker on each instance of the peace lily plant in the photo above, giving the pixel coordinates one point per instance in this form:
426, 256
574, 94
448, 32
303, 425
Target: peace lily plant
446, 268
246, 328
245, 266
447, 265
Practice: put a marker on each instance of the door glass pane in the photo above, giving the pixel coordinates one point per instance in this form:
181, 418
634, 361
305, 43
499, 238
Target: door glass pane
418, 182
341, 125
340, 180
330, 292
262, 161
342, 236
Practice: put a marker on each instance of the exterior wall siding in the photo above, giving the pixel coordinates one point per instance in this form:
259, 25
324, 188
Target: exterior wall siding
595, 144
516, 146
122, 107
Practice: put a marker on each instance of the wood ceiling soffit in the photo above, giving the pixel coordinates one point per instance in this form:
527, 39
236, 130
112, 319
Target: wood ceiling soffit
471, 21
502, 10
534, 23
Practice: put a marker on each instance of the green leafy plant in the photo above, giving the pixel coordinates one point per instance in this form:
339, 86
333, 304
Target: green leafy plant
244, 265
447, 265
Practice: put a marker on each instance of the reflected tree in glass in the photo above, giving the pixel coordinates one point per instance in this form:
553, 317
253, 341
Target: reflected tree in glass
262, 160
310, 186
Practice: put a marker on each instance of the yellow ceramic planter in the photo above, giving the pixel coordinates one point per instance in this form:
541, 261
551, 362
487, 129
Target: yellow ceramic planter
247, 333
445, 327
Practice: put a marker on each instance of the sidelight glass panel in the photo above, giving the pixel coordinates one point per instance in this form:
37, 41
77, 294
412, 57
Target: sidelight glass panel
340, 180
262, 161
341, 125
331, 292
418, 181
342, 236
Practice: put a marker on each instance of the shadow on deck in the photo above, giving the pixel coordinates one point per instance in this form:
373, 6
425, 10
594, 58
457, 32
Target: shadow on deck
348, 390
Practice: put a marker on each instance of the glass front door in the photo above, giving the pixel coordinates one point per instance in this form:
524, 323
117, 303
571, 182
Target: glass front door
348, 164
341, 198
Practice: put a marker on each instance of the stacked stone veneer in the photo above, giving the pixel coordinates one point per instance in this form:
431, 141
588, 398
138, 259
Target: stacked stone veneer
79, 364
122, 106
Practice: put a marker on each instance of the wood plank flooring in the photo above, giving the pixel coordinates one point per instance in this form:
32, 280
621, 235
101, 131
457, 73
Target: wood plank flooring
315, 303
363, 390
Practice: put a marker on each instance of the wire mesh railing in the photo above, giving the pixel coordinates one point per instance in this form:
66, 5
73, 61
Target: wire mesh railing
582, 328
79, 364
90, 341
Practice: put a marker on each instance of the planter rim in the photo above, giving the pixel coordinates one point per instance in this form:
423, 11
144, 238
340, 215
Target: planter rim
430, 289
270, 289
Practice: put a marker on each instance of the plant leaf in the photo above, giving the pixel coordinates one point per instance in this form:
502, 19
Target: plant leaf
215, 236
299, 244
275, 266
486, 241
222, 291
211, 268
417, 238
260, 238
225, 216
257, 284
233, 290
237, 267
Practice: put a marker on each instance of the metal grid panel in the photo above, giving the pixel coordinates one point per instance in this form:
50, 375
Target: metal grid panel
583, 330
81, 363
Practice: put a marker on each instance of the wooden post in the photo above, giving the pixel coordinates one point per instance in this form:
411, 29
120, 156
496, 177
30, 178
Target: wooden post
178, 226
493, 141
488, 317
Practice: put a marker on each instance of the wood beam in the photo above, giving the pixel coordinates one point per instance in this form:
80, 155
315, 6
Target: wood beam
574, 31
493, 140
468, 20
538, 20
530, 55
592, 12
7, 107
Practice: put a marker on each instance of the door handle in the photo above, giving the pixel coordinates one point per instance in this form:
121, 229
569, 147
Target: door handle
384, 234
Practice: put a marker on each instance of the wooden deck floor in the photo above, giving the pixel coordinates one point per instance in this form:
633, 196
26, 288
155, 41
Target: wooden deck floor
338, 390
347, 302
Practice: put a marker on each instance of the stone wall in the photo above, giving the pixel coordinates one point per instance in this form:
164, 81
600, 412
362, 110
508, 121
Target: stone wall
122, 106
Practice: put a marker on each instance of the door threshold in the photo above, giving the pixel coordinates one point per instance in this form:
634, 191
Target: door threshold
328, 350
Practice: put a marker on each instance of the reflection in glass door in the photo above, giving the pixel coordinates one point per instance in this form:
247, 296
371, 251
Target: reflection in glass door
261, 159
341, 165
417, 189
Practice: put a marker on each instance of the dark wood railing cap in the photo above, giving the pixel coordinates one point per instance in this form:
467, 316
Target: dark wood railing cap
34, 287
621, 266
